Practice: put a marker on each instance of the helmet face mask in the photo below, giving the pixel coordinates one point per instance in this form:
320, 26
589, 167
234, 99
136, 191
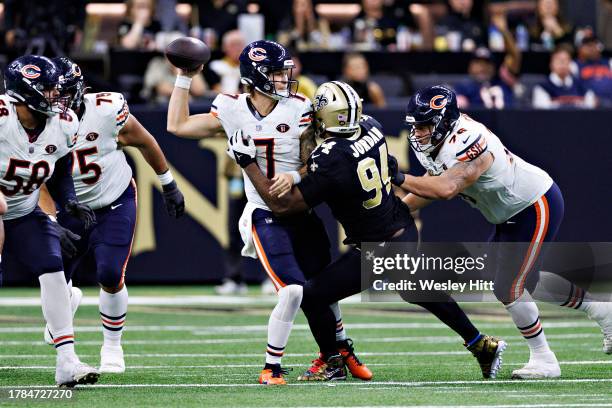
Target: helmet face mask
337, 109
434, 107
260, 65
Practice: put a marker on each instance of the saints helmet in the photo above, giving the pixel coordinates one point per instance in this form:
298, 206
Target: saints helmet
337, 109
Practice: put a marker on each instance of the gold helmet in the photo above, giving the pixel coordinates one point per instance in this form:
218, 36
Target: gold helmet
337, 109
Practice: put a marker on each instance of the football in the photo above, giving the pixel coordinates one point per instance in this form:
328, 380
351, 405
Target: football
187, 53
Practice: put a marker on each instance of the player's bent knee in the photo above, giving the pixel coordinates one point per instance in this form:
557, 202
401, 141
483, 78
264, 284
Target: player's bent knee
291, 295
109, 275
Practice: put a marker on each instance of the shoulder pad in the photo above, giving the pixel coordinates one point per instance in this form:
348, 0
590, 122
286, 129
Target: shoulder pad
368, 122
222, 102
5, 108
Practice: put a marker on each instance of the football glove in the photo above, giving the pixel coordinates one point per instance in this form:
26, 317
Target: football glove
82, 212
397, 177
67, 239
242, 149
173, 199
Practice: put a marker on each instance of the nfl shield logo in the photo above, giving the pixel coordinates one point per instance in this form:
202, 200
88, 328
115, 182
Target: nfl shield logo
258, 128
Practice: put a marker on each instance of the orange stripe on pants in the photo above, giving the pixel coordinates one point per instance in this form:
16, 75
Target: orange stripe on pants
264, 261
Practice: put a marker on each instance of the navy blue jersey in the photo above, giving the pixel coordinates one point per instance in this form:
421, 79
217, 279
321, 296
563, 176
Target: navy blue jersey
351, 175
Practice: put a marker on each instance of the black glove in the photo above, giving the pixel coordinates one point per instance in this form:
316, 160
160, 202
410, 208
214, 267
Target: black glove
173, 199
82, 212
242, 149
66, 238
397, 177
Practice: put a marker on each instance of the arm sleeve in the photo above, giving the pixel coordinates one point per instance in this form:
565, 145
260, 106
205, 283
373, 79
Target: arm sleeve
60, 185
315, 189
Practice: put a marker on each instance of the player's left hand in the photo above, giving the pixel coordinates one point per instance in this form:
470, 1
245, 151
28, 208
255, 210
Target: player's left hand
173, 199
242, 149
281, 185
83, 212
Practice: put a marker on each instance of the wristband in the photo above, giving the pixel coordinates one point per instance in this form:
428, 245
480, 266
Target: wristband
52, 218
296, 176
165, 178
183, 82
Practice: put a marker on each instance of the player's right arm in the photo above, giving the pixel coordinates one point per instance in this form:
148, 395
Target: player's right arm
181, 123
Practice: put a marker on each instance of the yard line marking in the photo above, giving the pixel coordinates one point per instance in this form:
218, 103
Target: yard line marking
263, 327
348, 384
166, 367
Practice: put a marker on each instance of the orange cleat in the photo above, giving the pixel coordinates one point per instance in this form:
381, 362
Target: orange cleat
272, 376
356, 367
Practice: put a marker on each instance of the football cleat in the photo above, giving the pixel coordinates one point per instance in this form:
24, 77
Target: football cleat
330, 370
273, 375
488, 351
76, 295
356, 367
111, 360
540, 365
318, 365
70, 372
601, 312
229, 287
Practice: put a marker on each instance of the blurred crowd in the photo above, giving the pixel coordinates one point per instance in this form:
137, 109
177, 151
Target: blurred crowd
579, 74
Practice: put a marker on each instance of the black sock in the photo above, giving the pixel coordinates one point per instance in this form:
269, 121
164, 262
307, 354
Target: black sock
451, 315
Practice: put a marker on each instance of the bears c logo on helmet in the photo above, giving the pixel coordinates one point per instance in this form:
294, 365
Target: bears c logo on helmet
258, 54
433, 103
30, 71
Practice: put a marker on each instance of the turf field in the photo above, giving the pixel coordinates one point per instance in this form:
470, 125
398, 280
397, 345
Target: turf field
185, 347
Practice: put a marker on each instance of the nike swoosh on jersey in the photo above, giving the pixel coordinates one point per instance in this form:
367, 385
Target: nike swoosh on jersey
466, 140
116, 206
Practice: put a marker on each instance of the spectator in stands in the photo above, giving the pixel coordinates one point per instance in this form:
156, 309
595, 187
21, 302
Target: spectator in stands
223, 75
220, 15
561, 88
139, 28
306, 86
462, 19
168, 18
549, 28
377, 24
488, 86
45, 27
355, 70
303, 29
159, 82
594, 70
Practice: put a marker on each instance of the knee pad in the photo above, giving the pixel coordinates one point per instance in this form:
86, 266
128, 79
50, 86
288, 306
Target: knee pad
289, 300
109, 275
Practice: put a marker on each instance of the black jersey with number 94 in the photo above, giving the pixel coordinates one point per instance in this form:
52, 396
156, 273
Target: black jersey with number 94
352, 176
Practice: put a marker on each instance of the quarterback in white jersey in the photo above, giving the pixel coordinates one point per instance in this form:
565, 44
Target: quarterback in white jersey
103, 180
278, 120
37, 137
464, 158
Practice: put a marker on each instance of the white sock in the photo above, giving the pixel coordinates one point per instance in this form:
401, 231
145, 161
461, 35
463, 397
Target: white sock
113, 310
281, 322
340, 332
526, 317
55, 300
555, 289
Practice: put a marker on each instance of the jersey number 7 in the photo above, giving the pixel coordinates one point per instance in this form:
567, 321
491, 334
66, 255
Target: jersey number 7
372, 179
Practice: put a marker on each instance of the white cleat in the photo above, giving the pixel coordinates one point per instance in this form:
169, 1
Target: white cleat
540, 365
76, 296
229, 287
601, 312
111, 360
70, 372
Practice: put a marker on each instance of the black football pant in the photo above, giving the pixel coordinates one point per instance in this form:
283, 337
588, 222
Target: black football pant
342, 278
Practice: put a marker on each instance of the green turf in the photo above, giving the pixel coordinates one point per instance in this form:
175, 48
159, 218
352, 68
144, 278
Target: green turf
412, 365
